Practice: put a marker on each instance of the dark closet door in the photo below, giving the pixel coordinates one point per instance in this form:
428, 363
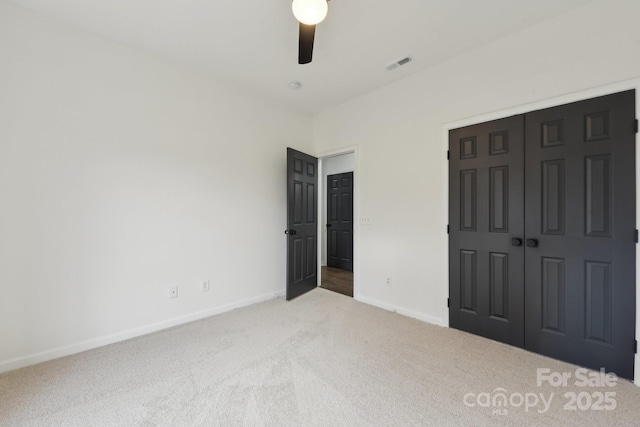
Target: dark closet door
486, 215
580, 224
340, 221
302, 226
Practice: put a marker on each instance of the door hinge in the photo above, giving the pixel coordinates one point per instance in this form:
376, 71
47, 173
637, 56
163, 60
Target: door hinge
636, 125
636, 236
448, 228
448, 305
448, 153
635, 347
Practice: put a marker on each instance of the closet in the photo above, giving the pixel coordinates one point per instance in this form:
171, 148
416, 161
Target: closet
542, 210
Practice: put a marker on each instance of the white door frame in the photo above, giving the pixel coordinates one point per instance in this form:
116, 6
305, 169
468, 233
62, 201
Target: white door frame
356, 212
539, 105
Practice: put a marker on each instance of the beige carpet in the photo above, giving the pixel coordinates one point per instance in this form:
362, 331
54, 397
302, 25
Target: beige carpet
320, 360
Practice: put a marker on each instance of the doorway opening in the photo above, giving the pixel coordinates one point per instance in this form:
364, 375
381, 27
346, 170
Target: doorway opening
337, 222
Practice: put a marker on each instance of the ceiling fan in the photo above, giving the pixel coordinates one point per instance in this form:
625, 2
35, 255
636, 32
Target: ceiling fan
308, 13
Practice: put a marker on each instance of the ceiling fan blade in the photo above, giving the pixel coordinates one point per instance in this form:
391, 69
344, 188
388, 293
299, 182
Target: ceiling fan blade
305, 44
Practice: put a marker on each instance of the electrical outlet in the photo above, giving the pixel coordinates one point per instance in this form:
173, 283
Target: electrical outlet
173, 292
388, 282
205, 286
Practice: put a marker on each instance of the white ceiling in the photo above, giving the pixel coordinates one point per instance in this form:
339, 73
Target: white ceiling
255, 42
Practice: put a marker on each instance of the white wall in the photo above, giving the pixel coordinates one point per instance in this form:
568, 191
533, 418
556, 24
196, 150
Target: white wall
121, 175
330, 166
399, 129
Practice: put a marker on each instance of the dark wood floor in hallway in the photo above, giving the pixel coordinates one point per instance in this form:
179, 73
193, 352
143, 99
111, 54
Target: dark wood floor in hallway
337, 280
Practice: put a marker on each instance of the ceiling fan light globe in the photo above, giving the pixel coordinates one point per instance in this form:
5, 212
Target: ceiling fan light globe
310, 12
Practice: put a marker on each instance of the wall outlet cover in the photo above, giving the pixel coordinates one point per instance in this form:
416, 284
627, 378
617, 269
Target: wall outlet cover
173, 292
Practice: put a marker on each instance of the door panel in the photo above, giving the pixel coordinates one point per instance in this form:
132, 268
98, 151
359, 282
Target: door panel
498, 199
552, 295
302, 227
485, 213
553, 187
580, 207
499, 285
340, 221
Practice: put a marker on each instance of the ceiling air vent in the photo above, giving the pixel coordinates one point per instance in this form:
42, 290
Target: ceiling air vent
399, 63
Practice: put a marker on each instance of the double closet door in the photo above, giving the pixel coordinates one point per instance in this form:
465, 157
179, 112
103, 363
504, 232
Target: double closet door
542, 231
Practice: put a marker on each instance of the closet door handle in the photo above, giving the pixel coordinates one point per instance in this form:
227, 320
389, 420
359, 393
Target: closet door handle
516, 242
290, 232
532, 243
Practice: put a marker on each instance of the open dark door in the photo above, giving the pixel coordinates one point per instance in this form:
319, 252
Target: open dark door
340, 221
302, 227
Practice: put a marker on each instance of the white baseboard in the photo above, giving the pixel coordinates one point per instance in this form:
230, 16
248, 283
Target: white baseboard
32, 359
400, 310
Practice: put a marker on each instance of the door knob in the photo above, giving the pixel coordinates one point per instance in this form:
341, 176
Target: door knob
532, 243
328, 225
516, 242
290, 232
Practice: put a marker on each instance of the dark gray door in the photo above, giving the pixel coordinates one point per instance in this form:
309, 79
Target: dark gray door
486, 218
302, 226
340, 221
570, 291
580, 231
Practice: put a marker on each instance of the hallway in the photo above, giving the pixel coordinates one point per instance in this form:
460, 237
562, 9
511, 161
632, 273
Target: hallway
337, 280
